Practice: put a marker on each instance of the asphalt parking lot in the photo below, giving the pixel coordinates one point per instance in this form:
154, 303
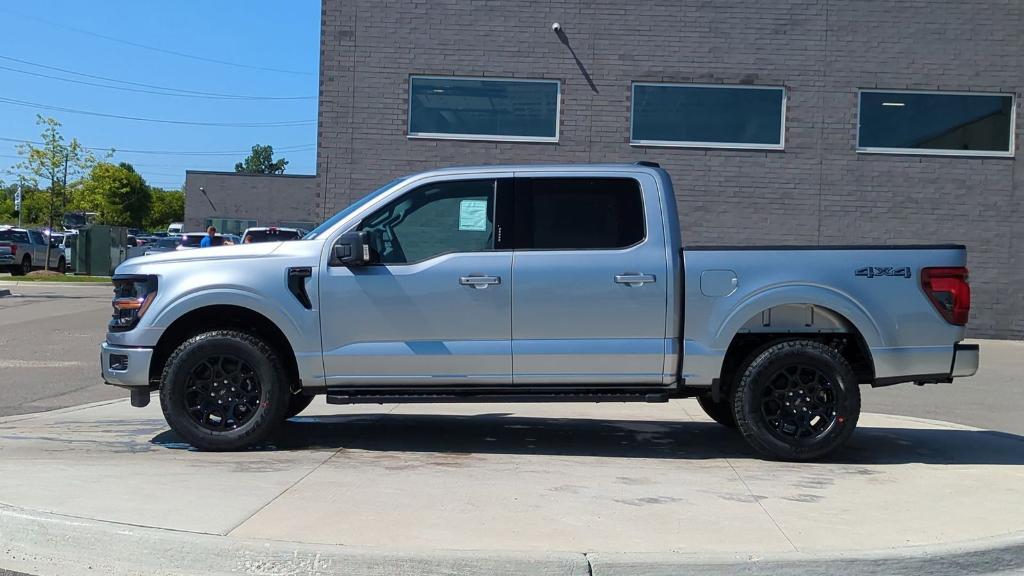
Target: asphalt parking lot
48, 359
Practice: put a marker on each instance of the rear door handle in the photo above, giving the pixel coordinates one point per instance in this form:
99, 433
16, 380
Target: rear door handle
630, 279
479, 281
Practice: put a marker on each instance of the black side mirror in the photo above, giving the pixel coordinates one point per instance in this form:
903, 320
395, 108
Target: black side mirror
352, 249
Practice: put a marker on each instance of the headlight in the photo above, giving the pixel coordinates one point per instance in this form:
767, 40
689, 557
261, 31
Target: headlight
132, 296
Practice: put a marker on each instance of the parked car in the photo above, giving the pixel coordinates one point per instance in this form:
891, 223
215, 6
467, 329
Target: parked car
167, 244
271, 234
175, 228
28, 249
192, 240
534, 283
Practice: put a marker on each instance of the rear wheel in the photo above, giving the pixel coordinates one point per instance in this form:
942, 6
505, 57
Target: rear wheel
224, 390
25, 268
720, 411
61, 265
797, 400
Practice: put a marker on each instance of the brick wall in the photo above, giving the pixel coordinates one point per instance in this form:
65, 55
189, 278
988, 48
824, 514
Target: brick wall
817, 190
268, 199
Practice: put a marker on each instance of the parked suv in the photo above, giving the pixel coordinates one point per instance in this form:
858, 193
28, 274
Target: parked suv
28, 251
271, 234
527, 284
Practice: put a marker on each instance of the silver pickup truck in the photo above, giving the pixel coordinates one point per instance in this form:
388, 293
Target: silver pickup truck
533, 283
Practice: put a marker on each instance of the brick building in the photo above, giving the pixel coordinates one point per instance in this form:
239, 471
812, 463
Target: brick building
786, 122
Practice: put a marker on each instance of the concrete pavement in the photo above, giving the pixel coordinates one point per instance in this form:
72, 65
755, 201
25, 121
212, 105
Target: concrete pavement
527, 488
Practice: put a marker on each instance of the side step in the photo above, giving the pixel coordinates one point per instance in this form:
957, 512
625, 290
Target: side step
426, 397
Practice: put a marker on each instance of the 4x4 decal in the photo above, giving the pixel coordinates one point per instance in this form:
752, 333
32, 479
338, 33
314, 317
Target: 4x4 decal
876, 271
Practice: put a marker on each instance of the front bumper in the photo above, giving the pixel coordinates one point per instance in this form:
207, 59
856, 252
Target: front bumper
126, 367
965, 360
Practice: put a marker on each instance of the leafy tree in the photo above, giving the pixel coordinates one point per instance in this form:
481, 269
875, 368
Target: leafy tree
168, 206
54, 162
125, 197
261, 161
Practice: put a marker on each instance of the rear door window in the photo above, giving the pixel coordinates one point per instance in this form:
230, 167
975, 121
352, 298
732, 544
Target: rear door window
37, 238
578, 213
19, 236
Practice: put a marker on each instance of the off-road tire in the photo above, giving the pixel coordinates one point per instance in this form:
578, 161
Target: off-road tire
720, 411
747, 400
296, 404
266, 365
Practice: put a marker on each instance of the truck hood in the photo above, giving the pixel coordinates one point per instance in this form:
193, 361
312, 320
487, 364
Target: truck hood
232, 252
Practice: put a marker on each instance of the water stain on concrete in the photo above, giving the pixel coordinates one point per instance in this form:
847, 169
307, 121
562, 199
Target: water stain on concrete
648, 500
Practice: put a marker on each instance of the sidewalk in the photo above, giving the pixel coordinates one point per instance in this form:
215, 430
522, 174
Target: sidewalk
499, 488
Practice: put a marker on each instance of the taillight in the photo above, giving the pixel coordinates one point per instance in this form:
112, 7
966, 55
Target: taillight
949, 291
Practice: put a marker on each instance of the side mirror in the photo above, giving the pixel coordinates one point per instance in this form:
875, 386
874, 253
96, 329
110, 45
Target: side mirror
352, 249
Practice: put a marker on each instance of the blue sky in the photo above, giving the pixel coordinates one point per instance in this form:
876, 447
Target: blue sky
281, 38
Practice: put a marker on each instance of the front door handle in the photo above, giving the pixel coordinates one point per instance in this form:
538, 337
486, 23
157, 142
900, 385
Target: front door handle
631, 279
479, 281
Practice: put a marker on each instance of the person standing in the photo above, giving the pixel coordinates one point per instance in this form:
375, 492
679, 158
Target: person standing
207, 240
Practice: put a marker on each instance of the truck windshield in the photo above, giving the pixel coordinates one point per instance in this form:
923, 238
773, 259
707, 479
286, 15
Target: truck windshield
316, 232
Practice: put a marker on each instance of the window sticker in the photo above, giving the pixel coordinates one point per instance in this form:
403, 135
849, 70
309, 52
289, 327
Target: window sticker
473, 215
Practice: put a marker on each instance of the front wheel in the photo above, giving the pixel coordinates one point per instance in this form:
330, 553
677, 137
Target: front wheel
797, 400
224, 390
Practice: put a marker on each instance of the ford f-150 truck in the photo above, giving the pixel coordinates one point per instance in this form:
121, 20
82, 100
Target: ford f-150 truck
533, 283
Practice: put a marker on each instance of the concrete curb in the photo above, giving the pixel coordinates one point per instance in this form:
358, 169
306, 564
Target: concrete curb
47, 544
51, 545
55, 411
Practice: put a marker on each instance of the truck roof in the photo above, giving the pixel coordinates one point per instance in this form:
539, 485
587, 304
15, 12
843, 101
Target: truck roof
643, 166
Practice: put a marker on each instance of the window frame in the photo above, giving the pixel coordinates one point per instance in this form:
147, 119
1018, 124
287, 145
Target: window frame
524, 184
484, 137
710, 144
502, 186
939, 151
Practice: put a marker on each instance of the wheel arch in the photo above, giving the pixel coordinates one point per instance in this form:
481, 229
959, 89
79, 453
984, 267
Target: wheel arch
221, 317
820, 314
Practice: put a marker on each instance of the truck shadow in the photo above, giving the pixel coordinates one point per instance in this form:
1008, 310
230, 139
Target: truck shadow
501, 433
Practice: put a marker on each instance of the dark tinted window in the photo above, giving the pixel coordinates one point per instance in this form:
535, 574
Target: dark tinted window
193, 241
271, 235
711, 115
483, 108
19, 236
434, 219
37, 237
578, 213
5, 235
931, 121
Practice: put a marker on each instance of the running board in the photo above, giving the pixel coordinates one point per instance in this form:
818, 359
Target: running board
427, 397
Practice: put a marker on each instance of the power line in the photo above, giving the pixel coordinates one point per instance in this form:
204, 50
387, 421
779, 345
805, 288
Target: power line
38, 106
289, 148
156, 49
160, 90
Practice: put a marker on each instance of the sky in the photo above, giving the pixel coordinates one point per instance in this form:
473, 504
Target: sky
197, 56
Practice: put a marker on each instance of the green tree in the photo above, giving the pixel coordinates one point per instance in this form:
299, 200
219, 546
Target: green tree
54, 162
168, 206
126, 198
261, 161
